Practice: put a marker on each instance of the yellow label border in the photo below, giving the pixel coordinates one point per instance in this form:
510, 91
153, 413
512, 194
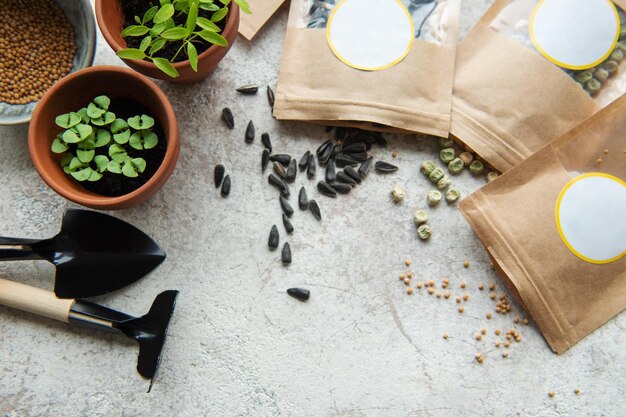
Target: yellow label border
360, 67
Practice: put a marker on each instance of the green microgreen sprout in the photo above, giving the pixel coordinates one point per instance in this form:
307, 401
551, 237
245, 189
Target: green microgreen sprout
158, 28
94, 127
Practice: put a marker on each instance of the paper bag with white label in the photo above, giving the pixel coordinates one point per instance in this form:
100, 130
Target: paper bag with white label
372, 64
530, 70
555, 228
262, 11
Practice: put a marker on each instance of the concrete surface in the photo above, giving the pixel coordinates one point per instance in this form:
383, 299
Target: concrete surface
238, 346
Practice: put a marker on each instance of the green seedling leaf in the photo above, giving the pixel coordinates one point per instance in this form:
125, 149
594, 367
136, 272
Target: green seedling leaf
103, 138
157, 45
82, 130
150, 139
68, 120
122, 137
58, 146
209, 6
140, 164
136, 142
105, 119
83, 115
137, 19
114, 167
206, 24
101, 162
169, 24
243, 4
121, 132
213, 37
82, 175
103, 102
94, 176
149, 15
225, 2
162, 2
165, 12
141, 122
129, 170
175, 34
165, 66
117, 153
145, 42
181, 5
98, 106
131, 53
192, 15
157, 29
69, 136
85, 156
118, 125
75, 164
219, 15
66, 158
135, 30
88, 143
192, 53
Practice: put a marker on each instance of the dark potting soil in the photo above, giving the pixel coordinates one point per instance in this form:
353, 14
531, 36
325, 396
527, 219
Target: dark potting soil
115, 185
132, 8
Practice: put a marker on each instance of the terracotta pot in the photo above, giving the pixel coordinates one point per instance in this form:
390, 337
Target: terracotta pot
74, 92
111, 20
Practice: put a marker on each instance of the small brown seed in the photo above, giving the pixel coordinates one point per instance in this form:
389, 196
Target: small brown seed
598, 161
431, 291
458, 300
447, 294
409, 290
498, 332
488, 315
492, 286
478, 336
526, 322
461, 309
419, 284
507, 344
445, 336
492, 296
483, 331
463, 284
551, 394
438, 295
402, 276
409, 274
481, 286
465, 297
466, 264
407, 262
505, 354
577, 391
407, 281
498, 344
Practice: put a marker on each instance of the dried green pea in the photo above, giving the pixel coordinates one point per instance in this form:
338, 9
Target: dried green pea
456, 166
427, 167
436, 174
583, 76
476, 167
492, 176
611, 66
433, 198
617, 55
601, 74
446, 155
445, 143
420, 217
424, 232
621, 45
397, 193
452, 195
444, 182
593, 86
466, 157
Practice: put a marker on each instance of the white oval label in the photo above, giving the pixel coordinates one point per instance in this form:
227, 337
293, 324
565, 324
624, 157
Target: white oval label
370, 34
591, 217
575, 34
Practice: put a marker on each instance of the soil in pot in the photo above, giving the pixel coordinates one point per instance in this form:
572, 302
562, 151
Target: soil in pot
132, 8
115, 185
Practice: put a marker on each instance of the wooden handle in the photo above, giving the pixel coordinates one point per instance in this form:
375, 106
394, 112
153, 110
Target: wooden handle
34, 300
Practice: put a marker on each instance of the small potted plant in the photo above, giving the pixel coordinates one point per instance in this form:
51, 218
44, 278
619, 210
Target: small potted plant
104, 137
174, 40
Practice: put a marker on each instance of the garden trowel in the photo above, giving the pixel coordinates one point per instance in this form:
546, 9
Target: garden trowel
94, 254
149, 330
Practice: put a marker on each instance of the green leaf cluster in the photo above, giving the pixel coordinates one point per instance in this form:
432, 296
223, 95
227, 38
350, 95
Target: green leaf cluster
94, 127
157, 28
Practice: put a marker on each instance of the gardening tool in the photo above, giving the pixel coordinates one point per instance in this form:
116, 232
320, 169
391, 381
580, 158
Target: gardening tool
149, 330
94, 254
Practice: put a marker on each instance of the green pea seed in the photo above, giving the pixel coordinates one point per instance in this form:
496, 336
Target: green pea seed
476, 167
420, 217
397, 193
584, 76
621, 45
435, 175
601, 74
424, 232
433, 198
427, 167
593, 86
611, 66
446, 155
445, 143
617, 55
452, 195
492, 176
444, 182
456, 166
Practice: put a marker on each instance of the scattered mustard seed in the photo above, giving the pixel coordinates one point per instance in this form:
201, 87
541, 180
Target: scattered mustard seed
409, 274
447, 294
478, 336
401, 276
407, 281
551, 394
488, 315
498, 344
481, 286
492, 286
507, 344
431, 290
505, 354
463, 284
492, 296
461, 309
431, 282
483, 331
419, 284
465, 297
598, 161
466, 264
409, 290
407, 262
438, 294
498, 332
458, 300
577, 391
394, 154
445, 336
526, 322
516, 320
606, 151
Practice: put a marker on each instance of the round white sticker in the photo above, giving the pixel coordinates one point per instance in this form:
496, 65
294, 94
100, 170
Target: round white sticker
370, 34
575, 34
591, 217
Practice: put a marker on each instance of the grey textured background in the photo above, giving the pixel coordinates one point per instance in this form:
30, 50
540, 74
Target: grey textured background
238, 346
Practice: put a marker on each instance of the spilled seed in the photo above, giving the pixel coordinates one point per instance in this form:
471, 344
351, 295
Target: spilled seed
287, 224
303, 200
282, 158
291, 171
265, 159
310, 171
345, 160
284, 204
304, 161
278, 183
330, 172
364, 169
299, 293
250, 132
280, 170
248, 89
286, 254
226, 186
326, 189
346, 179
265, 139
384, 167
218, 176
351, 172
274, 238
229, 119
315, 209
341, 188
270, 96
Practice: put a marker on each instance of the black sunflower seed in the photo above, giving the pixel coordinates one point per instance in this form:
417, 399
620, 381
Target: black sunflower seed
280, 170
274, 238
286, 255
218, 176
287, 224
270, 96
331, 172
248, 89
384, 167
310, 171
226, 186
344, 178
364, 169
336, 151
299, 293
280, 184
282, 158
324, 147
303, 200
304, 161
292, 171
229, 119
265, 159
344, 160
341, 188
325, 156
284, 204
250, 132
380, 139
315, 209
351, 172
265, 139
326, 189
354, 148
359, 157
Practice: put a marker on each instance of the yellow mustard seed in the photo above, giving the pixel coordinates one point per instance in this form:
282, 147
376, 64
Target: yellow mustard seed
463, 285
461, 309
447, 294
507, 344
492, 296
407, 281
419, 284
465, 297
516, 320
505, 354
481, 286
431, 291
488, 315
466, 264
599, 161
438, 294
551, 394
458, 299
409, 290
407, 262
526, 322
394, 154
483, 331
431, 282
492, 286
445, 336
498, 332
577, 391
478, 336
402, 276
498, 344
